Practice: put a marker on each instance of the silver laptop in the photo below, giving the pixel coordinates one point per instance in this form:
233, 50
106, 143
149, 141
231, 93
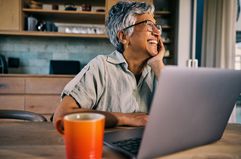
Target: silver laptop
191, 107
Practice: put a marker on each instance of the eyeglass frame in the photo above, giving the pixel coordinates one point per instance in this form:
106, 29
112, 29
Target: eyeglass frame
158, 27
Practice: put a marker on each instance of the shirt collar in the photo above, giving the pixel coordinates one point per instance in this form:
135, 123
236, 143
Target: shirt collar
116, 58
146, 70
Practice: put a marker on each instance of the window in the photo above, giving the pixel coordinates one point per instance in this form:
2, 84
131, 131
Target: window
238, 38
238, 55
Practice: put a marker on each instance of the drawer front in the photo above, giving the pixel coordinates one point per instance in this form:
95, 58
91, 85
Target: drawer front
46, 85
10, 85
43, 104
12, 102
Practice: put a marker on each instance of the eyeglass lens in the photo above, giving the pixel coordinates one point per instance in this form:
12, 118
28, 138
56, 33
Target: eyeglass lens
151, 26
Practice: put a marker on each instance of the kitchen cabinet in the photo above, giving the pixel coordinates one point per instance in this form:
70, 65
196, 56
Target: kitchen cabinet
10, 15
79, 20
27, 13
35, 93
70, 17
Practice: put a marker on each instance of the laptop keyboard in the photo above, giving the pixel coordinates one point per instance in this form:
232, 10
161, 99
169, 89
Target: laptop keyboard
130, 145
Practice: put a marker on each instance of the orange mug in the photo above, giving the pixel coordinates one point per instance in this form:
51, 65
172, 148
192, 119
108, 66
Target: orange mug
83, 135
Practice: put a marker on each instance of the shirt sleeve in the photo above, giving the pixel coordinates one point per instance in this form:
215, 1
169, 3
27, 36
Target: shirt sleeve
88, 85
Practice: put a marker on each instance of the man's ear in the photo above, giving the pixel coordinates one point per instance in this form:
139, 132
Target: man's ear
122, 38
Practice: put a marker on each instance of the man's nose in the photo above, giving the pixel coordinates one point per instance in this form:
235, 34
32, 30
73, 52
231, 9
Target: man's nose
156, 30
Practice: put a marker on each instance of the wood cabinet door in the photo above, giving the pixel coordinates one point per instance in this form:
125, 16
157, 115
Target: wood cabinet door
110, 3
10, 15
9, 85
45, 86
15, 102
147, 1
43, 104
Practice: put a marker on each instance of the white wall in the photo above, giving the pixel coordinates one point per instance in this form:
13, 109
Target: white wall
184, 32
238, 26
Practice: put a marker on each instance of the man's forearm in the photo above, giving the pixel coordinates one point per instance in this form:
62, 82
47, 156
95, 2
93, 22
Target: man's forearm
112, 118
68, 105
157, 66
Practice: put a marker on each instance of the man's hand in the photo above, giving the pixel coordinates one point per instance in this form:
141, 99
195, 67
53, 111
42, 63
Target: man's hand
131, 119
156, 62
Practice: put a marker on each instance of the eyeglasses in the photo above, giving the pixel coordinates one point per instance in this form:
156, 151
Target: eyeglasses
149, 24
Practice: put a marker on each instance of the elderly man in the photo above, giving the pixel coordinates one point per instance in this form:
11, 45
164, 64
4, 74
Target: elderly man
120, 85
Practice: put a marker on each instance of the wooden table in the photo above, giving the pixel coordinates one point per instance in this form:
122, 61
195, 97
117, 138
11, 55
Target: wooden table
28, 140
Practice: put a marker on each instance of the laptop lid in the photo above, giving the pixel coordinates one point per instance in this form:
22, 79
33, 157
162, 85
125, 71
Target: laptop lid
191, 107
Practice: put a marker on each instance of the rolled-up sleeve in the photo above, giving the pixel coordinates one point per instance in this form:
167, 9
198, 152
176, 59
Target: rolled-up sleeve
88, 85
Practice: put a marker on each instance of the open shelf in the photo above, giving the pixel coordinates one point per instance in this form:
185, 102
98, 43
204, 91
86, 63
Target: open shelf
63, 12
67, 16
23, 16
52, 34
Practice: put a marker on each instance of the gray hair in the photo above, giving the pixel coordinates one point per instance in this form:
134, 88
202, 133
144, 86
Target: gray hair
122, 15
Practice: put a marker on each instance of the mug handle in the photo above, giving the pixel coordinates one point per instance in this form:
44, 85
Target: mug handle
59, 126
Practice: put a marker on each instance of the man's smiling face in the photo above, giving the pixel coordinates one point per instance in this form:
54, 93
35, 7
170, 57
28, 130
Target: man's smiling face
145, 37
